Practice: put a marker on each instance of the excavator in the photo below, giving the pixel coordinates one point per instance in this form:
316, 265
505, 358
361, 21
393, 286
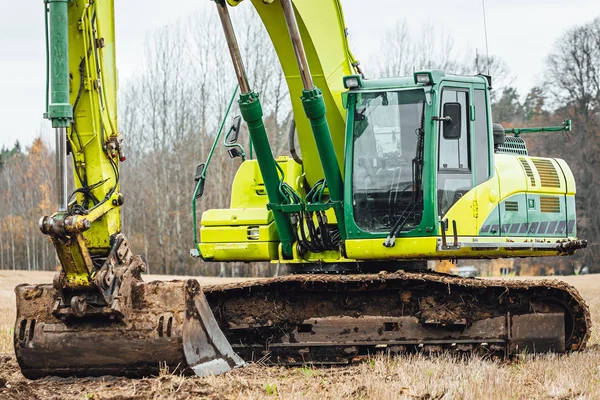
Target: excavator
393, 172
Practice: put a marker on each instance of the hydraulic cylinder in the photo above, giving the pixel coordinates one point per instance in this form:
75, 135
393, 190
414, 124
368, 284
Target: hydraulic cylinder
60, 111
252, 113
314, 108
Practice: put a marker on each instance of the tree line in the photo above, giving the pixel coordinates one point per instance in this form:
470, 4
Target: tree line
170, 113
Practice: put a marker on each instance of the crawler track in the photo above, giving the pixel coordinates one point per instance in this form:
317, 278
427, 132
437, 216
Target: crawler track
335, 319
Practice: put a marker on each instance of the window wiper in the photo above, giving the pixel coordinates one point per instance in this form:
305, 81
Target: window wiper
417, 183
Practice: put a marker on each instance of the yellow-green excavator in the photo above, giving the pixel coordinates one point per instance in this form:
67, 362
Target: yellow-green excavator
394, 172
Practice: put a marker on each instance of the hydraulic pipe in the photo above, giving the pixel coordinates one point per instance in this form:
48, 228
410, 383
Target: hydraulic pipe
314, 108
59, 111
292, 25
61, 169
252, 113
234, 49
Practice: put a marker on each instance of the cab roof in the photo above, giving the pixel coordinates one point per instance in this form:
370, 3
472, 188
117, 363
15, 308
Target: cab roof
409, 81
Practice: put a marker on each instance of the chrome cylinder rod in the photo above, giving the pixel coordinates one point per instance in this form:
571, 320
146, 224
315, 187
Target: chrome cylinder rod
292, 25
61, 168
234, 49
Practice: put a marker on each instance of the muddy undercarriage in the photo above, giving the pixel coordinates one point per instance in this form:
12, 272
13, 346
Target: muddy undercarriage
298, 319
327, 319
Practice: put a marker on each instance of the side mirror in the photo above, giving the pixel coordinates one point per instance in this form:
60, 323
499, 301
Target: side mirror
234, 152
198, 178
234, 131
452, 121
499, 135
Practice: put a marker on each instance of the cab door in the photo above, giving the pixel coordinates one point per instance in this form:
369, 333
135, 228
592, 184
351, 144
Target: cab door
455, 194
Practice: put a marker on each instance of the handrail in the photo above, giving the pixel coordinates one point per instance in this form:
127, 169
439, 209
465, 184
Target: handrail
565, 127
208, 159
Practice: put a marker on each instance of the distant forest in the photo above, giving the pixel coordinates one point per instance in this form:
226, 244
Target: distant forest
170, 113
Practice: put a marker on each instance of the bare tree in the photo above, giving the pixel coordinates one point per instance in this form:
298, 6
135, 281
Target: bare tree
573, 85
403, 51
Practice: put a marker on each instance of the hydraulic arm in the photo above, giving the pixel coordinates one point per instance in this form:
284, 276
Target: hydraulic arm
82, 85
252, 113
98, 317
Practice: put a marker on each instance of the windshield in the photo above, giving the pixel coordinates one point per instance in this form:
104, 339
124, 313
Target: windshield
386, 133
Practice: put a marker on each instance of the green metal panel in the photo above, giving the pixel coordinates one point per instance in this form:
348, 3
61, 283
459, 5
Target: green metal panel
522, 215
571, 216
513, 214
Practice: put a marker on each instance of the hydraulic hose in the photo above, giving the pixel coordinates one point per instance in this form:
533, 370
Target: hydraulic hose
292, 143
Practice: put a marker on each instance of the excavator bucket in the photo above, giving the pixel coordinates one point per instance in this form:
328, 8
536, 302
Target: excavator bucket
161, 326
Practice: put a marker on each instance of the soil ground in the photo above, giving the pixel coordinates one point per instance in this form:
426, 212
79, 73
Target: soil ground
571, 376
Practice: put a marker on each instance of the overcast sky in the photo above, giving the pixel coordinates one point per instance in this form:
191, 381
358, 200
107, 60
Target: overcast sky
520, 32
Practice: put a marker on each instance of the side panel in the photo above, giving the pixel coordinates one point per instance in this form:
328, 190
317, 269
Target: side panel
488, 213
246, 231
535, 199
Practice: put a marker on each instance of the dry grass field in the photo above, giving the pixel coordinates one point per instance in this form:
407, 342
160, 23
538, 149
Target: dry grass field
572, 376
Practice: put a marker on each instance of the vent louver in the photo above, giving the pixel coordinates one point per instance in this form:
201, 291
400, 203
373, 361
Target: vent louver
528, 170
511, 206
547, 171
549, 204
513, 145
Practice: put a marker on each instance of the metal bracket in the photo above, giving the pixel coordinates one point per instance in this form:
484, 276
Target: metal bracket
455, 245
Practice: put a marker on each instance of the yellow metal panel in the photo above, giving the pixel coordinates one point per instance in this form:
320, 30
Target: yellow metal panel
260, 251
512, 176
323, 34
426, 248
248, 189
236, 216
569, 178
548, 174
405, 248
236, 234
488, 197
463, 213
470, 253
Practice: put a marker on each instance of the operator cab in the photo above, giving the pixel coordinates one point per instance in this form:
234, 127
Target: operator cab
407, 136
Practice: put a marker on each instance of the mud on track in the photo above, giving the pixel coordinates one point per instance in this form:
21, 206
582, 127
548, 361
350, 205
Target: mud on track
545, 377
